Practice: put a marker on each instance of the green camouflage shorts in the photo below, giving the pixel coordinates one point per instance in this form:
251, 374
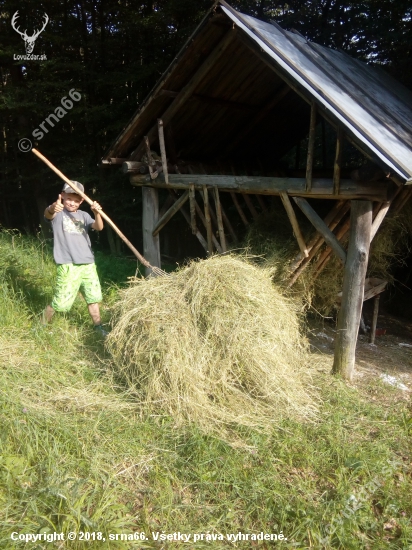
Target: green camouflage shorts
70, 279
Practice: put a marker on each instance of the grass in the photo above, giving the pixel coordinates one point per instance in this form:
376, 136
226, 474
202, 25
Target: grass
77, 456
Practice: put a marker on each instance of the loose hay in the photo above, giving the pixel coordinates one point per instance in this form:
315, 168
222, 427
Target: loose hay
215, 343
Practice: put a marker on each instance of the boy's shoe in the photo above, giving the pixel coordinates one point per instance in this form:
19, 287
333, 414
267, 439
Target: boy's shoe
101, 331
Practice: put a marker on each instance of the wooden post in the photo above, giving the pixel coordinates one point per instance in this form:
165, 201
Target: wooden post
199, 236
151, 163
252, 209
203, 220
192, 209
321, 226
330, 217
374, 318
338, 161
208, 221
163, 149
294, 222
229, 225
353, 288
317, 246
167, 216
381, 212
151, 245
239, 209
219, 219
380, 216
311, 146
325, 256
166, 205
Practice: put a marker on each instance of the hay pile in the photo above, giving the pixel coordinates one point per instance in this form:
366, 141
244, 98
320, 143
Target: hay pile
214, 343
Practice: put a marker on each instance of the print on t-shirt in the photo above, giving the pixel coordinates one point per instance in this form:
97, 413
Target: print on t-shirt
71, 225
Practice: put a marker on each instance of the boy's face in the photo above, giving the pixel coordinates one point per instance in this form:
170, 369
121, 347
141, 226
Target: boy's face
71, 201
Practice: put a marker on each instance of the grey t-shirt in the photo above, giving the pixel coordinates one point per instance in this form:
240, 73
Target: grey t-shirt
71, 240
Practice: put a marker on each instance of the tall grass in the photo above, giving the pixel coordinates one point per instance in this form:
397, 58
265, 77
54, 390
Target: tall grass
75, 454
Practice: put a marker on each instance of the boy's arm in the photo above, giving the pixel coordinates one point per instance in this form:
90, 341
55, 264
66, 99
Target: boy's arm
98, 220
52, 210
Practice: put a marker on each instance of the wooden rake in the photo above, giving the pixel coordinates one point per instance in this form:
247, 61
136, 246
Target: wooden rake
155, 270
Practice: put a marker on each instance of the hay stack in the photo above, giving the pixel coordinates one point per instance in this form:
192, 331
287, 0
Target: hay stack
214, 343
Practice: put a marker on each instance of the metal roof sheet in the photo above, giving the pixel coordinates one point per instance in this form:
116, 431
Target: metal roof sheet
356, 94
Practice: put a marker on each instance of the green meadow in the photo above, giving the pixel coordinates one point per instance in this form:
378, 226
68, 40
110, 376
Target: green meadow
79, 455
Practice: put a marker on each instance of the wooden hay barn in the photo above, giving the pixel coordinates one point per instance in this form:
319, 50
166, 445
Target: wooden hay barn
240, 98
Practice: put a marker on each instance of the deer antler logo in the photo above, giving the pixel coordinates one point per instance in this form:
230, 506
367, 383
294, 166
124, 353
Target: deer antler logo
29, 41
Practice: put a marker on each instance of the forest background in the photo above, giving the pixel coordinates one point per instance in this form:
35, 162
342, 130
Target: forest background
113, 52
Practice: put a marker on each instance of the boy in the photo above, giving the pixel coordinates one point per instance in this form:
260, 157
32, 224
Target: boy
73, 254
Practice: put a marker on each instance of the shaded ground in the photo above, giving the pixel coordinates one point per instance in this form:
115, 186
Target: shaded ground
390, 358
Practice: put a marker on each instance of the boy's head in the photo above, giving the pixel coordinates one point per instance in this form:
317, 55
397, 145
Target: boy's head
70, 198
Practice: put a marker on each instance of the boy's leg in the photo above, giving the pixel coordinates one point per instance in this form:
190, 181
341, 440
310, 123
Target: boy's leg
94, 312
92, 292
67, 287
47, 315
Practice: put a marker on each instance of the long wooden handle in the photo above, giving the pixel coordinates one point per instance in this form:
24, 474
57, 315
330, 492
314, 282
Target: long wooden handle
103, 215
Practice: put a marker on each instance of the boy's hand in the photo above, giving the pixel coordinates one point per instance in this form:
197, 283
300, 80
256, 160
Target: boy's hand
56, 206
95, 207
98, 221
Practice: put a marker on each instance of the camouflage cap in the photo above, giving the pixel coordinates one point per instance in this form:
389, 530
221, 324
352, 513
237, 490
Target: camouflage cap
68, 189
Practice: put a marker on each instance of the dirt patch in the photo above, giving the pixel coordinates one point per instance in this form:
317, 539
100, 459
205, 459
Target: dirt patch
389, 359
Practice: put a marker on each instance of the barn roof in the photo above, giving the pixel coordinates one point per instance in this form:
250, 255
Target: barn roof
374, 109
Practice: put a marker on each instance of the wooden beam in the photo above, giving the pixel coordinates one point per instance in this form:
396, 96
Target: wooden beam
229, 225
113, 161
170, 213
198, 234
377, 219
133, 167
266, 185
151, 245
249, 204
219, 219
374, 318
311, 146
401, 199
341, 234
166, 205
338, 160
150, 162
325, 256
267, 60
380, 216
192, 209
208, 220
353, 289
187, 90
168, 93
262, 204
330, 216
239, 209
163, 149
319, 242
321, 226
203, 220
294, 222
